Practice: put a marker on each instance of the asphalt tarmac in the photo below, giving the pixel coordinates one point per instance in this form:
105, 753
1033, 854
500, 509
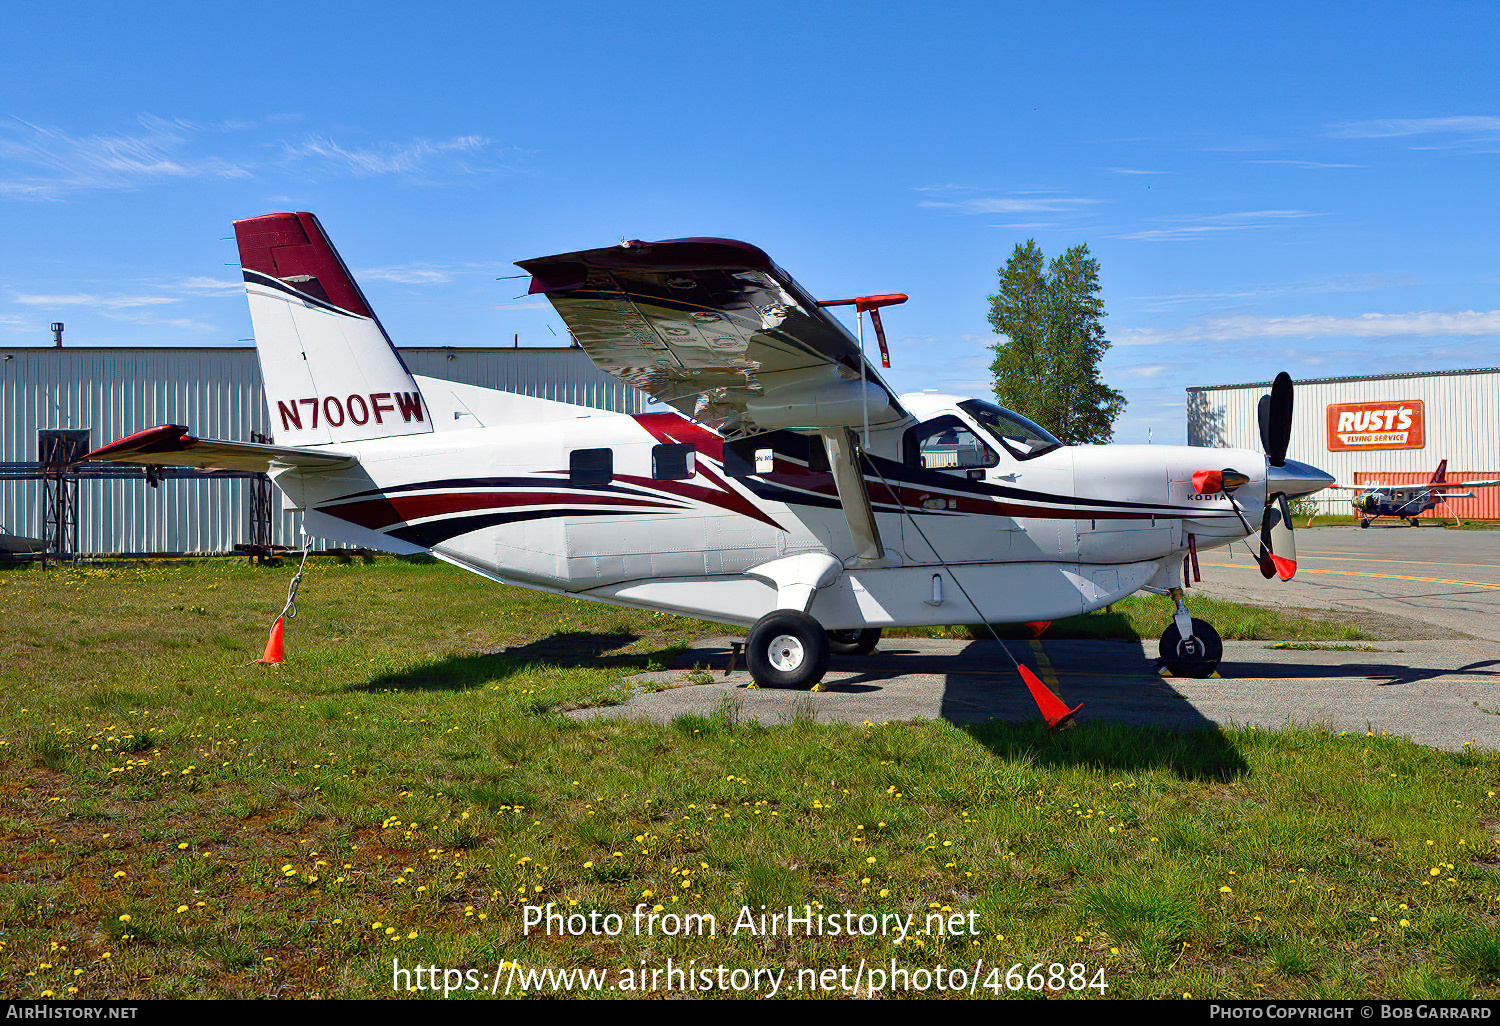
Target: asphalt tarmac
1443, 692
1449, 579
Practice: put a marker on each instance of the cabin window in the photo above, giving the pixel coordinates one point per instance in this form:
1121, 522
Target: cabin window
673, 462
591, 468
1022, 439
947, 443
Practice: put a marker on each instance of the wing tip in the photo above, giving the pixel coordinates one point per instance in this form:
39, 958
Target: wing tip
163, 438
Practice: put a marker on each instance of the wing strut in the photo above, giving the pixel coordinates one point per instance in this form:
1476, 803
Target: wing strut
840, 445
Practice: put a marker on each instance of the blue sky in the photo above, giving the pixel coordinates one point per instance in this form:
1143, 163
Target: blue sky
1301, 186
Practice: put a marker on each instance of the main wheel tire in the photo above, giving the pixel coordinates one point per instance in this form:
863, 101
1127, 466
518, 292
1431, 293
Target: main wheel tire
1195, 657
854, 641
1364, 523
787, 649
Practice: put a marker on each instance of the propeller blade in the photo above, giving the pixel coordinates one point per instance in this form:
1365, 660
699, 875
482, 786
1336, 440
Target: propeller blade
1267, 565
1276, 419
1278, 544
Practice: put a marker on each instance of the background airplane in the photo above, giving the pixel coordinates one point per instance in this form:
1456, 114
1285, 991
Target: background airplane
1407, 501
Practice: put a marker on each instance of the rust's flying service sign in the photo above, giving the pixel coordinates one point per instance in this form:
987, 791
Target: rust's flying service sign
1378, 425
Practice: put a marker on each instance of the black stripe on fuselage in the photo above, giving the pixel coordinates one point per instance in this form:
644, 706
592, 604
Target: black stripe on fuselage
435, 532
494, 482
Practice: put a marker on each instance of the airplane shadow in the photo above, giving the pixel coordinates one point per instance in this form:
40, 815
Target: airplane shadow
1132, 719
565, 649
1383, 674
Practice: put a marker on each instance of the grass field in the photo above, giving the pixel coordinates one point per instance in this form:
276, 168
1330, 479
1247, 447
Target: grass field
177, 823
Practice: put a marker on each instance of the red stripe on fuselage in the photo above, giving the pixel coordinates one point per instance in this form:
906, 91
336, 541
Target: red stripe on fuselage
383, 512
670, 428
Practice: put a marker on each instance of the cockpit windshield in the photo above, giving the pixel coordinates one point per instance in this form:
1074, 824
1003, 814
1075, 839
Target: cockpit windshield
1021, 438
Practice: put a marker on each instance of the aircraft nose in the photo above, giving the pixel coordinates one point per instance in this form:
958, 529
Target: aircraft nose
1293, 479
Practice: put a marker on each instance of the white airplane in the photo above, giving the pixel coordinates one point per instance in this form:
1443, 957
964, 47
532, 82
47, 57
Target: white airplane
783, 487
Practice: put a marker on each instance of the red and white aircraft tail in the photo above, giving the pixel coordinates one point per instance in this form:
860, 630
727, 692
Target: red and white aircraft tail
331, 374
1440, 476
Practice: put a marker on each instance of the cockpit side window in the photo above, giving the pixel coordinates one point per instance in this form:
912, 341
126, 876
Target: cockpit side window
1021, 438
947, 443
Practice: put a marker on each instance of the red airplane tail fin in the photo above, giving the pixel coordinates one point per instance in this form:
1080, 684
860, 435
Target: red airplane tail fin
1441, 474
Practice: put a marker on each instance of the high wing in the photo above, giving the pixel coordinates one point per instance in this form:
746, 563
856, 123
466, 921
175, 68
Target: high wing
1369, 488
1424, 486
170, 445
716, 330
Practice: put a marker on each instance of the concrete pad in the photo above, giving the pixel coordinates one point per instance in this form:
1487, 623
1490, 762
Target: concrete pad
1439, 693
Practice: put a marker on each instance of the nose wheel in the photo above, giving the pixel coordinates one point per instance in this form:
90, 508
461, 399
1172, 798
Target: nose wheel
1195, 656
788, 649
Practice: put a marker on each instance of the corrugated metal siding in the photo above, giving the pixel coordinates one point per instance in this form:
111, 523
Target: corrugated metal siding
562, 375
1484, 506
1461, 410
217, 393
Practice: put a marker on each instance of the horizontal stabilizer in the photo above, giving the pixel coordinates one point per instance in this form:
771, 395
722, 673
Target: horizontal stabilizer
170, 445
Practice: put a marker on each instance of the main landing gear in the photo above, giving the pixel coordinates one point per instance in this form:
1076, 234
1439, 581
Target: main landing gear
790, 649
787, 648
1189, 647
854, 641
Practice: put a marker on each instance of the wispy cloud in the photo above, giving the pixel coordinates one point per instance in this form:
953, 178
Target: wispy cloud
1144, 371
1470, 127
467, 154
1302, 163
1421, 323
415, 274
1016, 203
201, 286
1177, 229
948, 187
89, 300
1136, 171
38, 162
1334, 284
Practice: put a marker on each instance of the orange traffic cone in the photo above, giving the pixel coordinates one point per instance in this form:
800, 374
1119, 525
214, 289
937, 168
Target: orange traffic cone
1054, 710
1038, 627
273, 655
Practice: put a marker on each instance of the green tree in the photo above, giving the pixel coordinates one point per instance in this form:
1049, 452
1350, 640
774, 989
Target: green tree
1051, 340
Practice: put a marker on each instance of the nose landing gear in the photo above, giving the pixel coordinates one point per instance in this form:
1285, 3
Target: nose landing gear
1189, 647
